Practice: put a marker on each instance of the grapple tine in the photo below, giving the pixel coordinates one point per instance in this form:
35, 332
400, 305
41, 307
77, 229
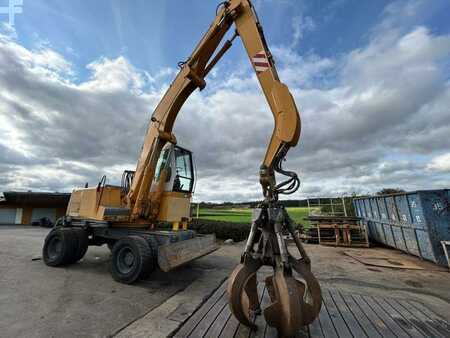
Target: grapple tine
242, 291
285, 311
310, 310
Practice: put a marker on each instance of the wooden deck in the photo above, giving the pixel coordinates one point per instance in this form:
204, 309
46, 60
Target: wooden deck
342, 315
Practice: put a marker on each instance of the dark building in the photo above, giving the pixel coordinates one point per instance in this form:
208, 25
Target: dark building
28, 207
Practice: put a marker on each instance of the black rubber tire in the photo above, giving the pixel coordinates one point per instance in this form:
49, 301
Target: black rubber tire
82, 243
59, 247
153, 244
142, 259
110, 245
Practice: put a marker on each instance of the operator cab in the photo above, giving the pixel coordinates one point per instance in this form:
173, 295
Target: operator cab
178, 166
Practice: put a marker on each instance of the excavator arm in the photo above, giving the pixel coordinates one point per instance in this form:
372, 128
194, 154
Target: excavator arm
192, 76
294, 302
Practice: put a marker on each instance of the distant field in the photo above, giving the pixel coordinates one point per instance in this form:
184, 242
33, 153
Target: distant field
245, 215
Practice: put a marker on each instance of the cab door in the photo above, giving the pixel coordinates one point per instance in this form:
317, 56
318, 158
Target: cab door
175, 166
164, 168
183, 180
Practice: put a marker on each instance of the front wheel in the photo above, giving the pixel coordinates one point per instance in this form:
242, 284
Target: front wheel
59, 247
132, 259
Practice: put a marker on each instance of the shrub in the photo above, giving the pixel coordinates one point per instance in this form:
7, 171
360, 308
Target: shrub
223, 230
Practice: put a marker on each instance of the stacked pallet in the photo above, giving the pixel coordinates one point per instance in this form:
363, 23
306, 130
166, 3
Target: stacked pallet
337, 231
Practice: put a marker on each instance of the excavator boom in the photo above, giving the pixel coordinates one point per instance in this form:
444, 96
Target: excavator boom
192, 76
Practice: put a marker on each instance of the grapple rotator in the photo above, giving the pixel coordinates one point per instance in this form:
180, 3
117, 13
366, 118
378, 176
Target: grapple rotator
294, 291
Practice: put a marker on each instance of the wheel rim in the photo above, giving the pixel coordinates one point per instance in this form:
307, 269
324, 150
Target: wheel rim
54, 248
125, 260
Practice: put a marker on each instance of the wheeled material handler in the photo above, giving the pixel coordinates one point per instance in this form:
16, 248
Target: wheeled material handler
160, 190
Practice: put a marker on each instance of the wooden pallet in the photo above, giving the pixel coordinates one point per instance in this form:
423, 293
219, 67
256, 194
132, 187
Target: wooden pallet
338, 231
342, 315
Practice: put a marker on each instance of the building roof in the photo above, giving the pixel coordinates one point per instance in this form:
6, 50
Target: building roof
47, 198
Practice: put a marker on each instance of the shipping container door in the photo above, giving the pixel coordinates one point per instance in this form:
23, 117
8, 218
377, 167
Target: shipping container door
356, 207
425, 247
437, 220
7, 216
389, 235
398, 236
375, 211
380, 232
415, 206
392, 209
403, 209
372, 232
362, 208
368, 208
411, 241
39, 213
382, 208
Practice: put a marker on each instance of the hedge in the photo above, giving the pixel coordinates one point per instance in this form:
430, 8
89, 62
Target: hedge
223, 230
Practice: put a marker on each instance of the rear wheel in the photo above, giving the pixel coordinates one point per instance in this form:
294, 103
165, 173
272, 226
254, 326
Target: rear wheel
132, 259
59, 247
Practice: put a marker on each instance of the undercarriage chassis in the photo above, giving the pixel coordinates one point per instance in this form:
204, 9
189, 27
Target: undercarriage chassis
135, 252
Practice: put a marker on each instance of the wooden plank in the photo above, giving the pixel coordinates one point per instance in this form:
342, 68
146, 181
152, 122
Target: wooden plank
363, 321
192, 322
338, 322
438, 323
230, 327
219, 324
395, 328
242, 331
398, 318
420, 324
347, 315
326, 324
203, 326
430, 314
372, 316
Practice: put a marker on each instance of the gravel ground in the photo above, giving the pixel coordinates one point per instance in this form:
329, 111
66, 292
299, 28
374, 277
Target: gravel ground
81, 300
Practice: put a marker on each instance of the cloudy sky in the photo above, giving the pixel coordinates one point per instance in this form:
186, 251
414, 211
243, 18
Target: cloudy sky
79, 80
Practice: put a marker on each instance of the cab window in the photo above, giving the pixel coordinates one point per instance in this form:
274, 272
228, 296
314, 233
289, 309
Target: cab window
162, 163
184, 176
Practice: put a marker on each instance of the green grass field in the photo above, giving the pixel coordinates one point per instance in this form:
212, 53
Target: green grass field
244, 215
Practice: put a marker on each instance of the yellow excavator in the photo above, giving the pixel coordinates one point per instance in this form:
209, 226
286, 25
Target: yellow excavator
160, 189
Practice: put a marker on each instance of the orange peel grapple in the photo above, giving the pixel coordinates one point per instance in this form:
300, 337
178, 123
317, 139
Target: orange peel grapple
295, 295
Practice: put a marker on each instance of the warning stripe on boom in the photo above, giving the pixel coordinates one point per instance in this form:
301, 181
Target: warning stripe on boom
260, 62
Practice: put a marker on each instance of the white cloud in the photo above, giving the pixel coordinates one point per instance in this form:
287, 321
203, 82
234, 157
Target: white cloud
301, 25
372, 118
114, 75
440, 163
